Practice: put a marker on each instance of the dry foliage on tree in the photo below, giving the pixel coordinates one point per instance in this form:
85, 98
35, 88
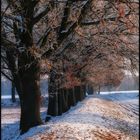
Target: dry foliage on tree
74, 41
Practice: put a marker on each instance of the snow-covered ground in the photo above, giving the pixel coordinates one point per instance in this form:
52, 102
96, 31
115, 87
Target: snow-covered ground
112, 116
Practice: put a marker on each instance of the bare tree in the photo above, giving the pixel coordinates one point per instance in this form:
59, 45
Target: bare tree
18, 21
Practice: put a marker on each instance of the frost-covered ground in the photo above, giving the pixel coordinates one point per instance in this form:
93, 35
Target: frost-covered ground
112, 116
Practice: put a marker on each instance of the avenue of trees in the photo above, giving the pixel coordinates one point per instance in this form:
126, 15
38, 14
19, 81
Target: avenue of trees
76, 42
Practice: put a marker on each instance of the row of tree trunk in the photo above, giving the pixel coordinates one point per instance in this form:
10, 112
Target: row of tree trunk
63, 99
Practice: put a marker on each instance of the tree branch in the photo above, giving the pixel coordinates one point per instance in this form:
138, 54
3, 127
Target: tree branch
67, 32
43, 39
43, 13
6, 76
64, 34
105, 19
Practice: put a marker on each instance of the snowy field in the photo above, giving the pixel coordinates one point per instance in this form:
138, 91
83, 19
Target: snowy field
108, 116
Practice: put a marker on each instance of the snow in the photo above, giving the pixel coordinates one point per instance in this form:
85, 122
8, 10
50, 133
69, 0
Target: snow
10, 123
8, 96
112, 116
8, 103
130, 91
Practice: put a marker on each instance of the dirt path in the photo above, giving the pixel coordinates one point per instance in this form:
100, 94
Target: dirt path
101, 117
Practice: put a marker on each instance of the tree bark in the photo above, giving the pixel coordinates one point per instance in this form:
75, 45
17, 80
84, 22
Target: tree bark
30, 94
60, 105
25, 70
67, 107
64, 101
90, 90
13, 92
53, 95
99, 89
30, 104
78, 95
84, 90
71, 97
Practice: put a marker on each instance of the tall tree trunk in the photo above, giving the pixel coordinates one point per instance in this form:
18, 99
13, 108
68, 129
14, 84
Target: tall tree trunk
60, 102
25, 71
84, 90
67, 107
77, 91
99, 89
30, 104
71, 97
53, 95
64, 100
90, 89
13, 92
30, 94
